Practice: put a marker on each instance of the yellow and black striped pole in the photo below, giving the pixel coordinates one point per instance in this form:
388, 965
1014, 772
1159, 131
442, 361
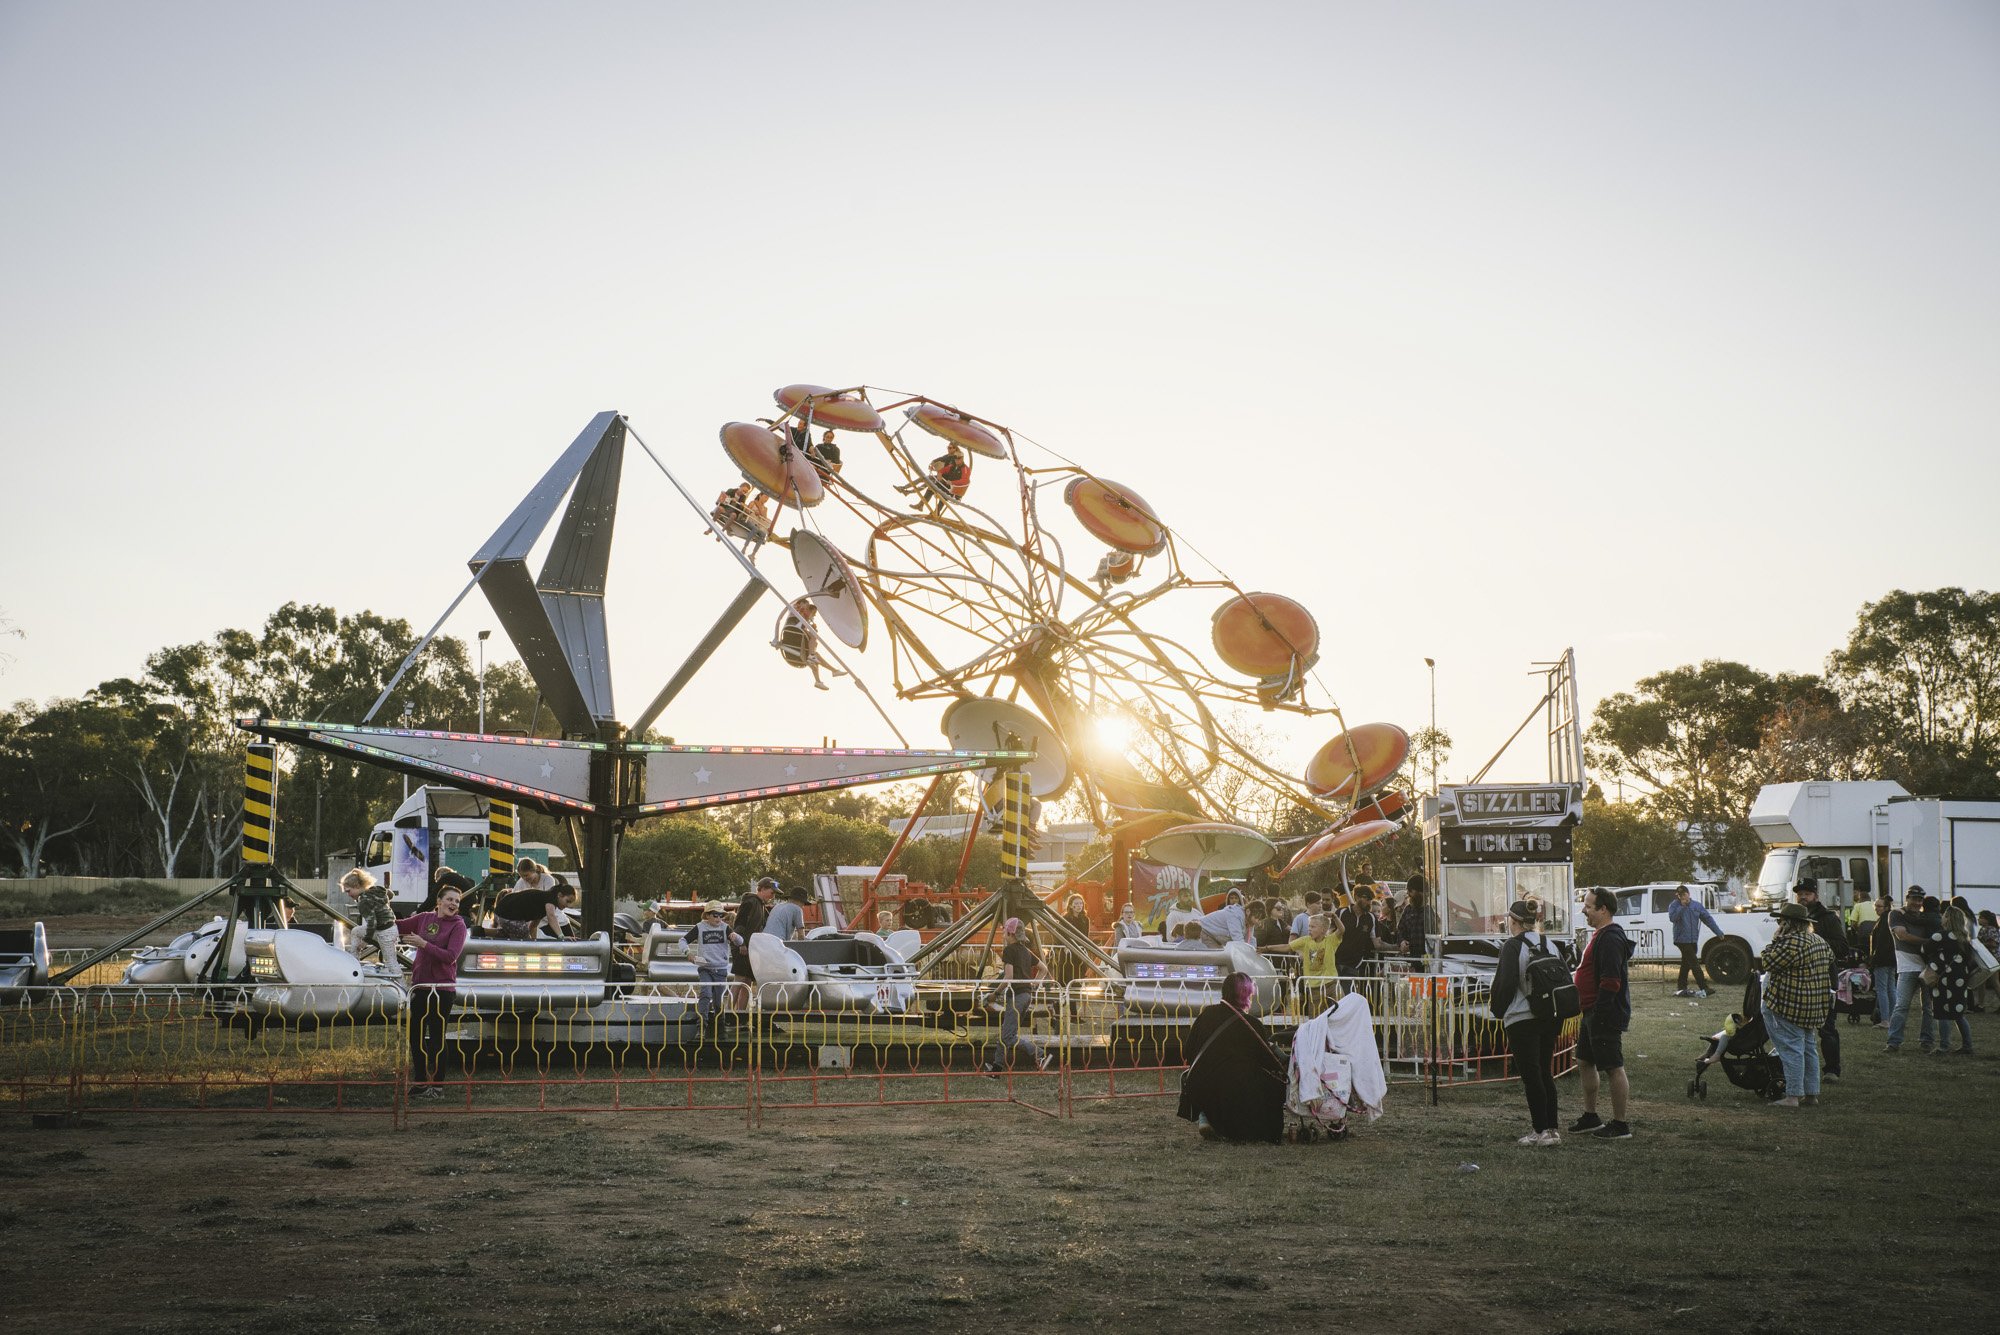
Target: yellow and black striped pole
260, 782
499, 839
1015, 799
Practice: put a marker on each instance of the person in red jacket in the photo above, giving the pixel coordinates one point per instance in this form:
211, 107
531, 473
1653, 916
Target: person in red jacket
1601, 978
439, 936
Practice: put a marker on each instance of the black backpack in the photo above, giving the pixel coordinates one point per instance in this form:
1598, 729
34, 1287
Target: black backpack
1550, 987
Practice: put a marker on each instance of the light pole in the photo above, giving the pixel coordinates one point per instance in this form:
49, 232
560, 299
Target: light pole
482, 679
1431, 663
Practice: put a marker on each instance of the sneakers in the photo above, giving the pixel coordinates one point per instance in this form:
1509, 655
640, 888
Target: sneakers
1787, 1102
1045, 1060
1590, 1121
1550, 1137
1684, 992
1809, 1100
428, 1092
1893, 1048
1612, 1131
1701, 991
1532, 1138
1829, 1075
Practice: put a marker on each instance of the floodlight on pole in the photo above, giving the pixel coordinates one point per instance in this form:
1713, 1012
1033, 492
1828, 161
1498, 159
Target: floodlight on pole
1431, 663
483, 636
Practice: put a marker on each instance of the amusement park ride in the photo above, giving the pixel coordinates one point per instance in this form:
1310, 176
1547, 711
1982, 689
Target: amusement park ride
974, 595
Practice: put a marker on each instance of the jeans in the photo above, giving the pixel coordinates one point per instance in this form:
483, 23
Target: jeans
1797, 1050
1909, 988
1534, 1046
1689, 960
1885, 992
1011, 1016
1944, 1021
708, 992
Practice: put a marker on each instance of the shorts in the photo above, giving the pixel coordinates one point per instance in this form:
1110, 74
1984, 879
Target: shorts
739, 966
1600, 1043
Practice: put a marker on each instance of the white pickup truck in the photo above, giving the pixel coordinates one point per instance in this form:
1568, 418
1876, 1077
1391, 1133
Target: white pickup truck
1642, 912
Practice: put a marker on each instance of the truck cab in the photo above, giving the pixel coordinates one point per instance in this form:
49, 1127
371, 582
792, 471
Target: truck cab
1726, 957
1836, 833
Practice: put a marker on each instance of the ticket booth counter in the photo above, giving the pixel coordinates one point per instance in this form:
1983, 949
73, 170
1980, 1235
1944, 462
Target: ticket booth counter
1487, 845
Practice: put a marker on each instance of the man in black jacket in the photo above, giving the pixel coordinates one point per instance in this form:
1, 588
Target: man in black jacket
1827, 923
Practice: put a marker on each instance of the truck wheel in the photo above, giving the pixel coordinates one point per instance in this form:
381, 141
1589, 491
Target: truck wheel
1727, 961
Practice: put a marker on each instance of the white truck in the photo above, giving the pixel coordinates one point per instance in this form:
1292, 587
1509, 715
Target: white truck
434, 827
1857, 838
1725, 957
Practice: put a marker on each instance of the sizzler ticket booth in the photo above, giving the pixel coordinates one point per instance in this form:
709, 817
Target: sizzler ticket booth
1487, 845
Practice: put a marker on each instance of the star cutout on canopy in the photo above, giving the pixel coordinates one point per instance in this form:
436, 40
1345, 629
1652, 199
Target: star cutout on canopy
547, 770
474, 757
791, 770
703, 775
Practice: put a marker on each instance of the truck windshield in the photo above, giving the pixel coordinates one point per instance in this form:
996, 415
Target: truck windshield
1774, 881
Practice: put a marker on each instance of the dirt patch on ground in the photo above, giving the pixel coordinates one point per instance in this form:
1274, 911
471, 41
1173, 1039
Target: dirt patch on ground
1866, 1213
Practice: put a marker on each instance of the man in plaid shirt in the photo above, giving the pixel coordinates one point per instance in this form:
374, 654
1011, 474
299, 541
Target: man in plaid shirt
1798, 997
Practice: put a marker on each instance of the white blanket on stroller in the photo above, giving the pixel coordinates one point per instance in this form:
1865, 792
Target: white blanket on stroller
1337, 1047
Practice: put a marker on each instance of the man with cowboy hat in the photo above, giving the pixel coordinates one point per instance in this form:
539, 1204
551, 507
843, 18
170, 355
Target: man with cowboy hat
1826, 925
1798, 997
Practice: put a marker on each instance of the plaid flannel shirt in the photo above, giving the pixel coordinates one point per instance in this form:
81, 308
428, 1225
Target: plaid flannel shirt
1799, 981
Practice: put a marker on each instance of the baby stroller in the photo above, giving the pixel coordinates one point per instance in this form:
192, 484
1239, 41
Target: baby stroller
1744, 1050
1854, 993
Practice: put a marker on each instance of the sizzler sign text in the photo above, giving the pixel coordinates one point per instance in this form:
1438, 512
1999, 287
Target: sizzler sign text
1507, 822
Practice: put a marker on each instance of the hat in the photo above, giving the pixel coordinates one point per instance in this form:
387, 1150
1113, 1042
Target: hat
1792, 913
1524, 910
712, 906
1011, 926
1807, 886
770, 881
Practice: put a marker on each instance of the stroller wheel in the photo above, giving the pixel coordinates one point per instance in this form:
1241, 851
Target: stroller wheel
1694, 1087
1702, 1089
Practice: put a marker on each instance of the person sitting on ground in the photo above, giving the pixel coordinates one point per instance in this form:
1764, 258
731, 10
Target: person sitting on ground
519, 912
1316, 949
1235, 1084
788, 917
374, 924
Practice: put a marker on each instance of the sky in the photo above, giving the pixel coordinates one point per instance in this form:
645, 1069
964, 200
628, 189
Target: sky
1662, 331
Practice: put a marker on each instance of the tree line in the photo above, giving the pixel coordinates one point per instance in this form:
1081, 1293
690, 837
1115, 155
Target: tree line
141, 775
1911, 696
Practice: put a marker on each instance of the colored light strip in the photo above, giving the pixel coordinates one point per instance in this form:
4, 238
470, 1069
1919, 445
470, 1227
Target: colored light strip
810, 786
988, 757
253, 723
449, 771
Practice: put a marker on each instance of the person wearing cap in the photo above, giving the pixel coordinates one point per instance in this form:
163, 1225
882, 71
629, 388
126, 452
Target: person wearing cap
788, 918
1798, 997
1601, 976
751, 911
1910, 931
1687, 917
1530, 1037
1826, 925
1021, 971
711, 945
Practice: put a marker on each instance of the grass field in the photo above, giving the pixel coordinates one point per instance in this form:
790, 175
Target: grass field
1875, 1211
